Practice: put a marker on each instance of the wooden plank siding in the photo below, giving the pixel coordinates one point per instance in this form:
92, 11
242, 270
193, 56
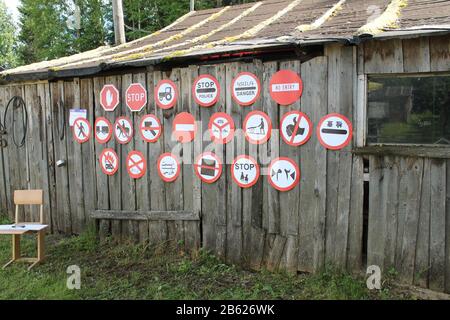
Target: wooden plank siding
318, 223
408, 206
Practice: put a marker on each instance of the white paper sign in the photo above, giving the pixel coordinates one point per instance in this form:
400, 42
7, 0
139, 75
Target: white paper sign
77, 113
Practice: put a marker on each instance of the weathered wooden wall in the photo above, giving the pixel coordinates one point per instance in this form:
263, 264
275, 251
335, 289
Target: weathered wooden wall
299, 230
409, 208
317, 223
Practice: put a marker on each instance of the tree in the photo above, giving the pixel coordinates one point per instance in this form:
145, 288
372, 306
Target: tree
55, 28
8, 57
44, 34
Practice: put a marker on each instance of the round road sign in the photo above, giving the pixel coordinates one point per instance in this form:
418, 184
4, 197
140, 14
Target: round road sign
103, 130
245, 88
150, 128
257, 127
286, 87
245, 171
166, 94
168, 167
208, 167
221, 127
334, 131
136, 164
109, 162
123, 130
206, 90
295, 128
183, 127
81, 130
284, 174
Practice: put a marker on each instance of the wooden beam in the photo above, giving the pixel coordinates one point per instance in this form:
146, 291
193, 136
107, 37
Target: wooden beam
438, 152
145, 215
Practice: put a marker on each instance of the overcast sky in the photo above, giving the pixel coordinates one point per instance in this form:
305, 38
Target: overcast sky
12, 6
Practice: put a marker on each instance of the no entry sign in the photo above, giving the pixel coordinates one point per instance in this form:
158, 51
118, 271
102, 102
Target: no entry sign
208, 167
136, 97
123, 130
296, 128
221, 128
109, 97
150, 128
284, 174
286, 87
257, 127
168, 167
245, 171
166, 94
81, 130
334, 131
136, 164
206, 90
109, 162
103, 130
245, 88
184, 127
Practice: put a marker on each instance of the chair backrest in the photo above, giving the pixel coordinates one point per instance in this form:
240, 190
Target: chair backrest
29, 197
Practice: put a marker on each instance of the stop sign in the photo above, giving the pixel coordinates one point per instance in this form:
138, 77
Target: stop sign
136, 97
109, 97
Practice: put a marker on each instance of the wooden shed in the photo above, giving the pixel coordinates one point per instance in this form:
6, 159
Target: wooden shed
382, 200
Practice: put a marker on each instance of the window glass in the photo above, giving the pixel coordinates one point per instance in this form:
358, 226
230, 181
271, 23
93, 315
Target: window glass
409, 109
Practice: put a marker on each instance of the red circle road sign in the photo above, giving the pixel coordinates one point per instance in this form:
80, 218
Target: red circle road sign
295, 128
168, 167
257, 127
150, 128
136, 97
109, 162
221, 127
286, 87
123, 130
184, 127
103, 130
109, 97
245, 88
166, 94
206, 90
136, 164
81, 130
208, 167
334, 131
245, 171
284, 174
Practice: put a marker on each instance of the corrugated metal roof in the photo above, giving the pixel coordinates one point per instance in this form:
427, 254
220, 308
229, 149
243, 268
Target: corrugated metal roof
259, 25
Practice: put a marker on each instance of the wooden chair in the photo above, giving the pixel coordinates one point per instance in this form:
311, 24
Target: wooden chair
27, 197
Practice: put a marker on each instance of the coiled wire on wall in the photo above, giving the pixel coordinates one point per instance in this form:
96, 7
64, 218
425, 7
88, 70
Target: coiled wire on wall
17, 103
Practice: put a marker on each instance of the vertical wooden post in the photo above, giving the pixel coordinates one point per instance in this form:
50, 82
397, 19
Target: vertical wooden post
192, 6
15, 247
40, 245
119, 28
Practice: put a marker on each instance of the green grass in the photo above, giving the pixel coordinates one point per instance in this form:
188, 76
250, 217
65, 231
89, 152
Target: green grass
110, 271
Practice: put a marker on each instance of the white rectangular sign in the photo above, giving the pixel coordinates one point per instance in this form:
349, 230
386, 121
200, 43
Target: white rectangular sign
76, 113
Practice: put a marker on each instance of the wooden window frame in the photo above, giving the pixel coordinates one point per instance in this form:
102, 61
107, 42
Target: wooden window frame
362, 147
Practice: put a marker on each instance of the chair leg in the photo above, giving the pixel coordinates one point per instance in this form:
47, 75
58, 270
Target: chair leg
6, 265
15, 247
41, 245
32, 265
